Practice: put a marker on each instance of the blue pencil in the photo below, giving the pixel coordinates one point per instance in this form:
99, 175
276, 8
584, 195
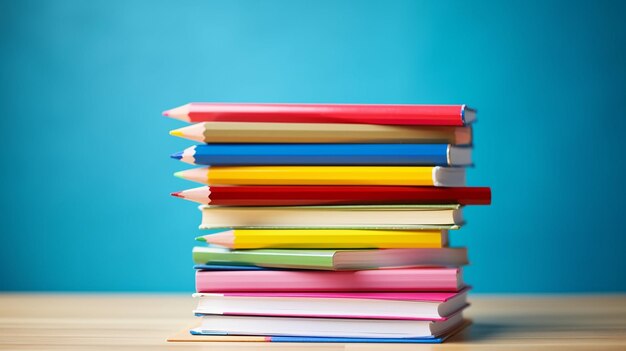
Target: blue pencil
326, 154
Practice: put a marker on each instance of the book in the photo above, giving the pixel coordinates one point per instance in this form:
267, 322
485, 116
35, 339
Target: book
327, 327
425, 115
326, 154
383, 305
328, 222
227, 267
244, 238
197, 336
376, 280
354, 216
332, 259
303, 195
296, 133
326, 175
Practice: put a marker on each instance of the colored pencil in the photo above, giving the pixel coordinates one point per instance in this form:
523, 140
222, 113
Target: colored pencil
326, 154
326, 175
326, 238
295, 195
433, 115
298, 133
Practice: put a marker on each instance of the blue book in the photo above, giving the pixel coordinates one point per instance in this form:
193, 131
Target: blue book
222, 267
358, 340
336, 340
327, 154
302, 329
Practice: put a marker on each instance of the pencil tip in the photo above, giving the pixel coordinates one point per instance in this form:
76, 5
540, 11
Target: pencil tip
200, 238
181, 112
178, 155
178, 174
177, 194
176, 133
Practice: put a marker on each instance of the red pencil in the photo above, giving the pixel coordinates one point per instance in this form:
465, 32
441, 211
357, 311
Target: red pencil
294, 195
424, 115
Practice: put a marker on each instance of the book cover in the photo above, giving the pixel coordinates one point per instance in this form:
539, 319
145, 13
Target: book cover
405, 306
379, 280
327, 327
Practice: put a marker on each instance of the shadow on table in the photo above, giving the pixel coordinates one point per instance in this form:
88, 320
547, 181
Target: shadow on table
478, 331
524, 326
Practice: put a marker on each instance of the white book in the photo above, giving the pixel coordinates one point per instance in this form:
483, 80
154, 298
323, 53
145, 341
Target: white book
385, 305
326, 327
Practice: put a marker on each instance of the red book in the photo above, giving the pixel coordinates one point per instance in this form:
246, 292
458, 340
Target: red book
388, 280
422, 115
298, 195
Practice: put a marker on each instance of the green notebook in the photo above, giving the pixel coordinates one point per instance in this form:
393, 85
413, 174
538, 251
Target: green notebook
331, 259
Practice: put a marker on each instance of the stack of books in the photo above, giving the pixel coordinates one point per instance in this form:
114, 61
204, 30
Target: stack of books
329, 223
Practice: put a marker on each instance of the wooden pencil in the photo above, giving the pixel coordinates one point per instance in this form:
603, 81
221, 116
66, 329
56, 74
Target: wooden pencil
296, 133
296, 195
326, 154
425, 115
326, 175
293, 238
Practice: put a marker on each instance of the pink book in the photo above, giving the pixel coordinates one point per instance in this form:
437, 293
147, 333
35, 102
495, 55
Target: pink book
384, 280
406, 306
399, 296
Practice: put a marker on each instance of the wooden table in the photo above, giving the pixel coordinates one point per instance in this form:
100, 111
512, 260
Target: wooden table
131, 322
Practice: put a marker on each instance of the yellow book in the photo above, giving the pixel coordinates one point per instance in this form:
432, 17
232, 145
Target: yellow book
326, 175
327, 239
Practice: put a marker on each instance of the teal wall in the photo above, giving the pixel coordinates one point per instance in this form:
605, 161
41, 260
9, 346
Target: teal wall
85, 168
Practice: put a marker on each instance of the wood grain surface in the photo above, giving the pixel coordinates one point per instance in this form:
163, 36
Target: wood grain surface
145, 321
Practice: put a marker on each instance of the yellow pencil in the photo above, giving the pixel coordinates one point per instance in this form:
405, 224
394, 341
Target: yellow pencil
326, 175
327, 239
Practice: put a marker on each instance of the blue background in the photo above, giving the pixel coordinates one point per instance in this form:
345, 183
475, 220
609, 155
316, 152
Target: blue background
85, 169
